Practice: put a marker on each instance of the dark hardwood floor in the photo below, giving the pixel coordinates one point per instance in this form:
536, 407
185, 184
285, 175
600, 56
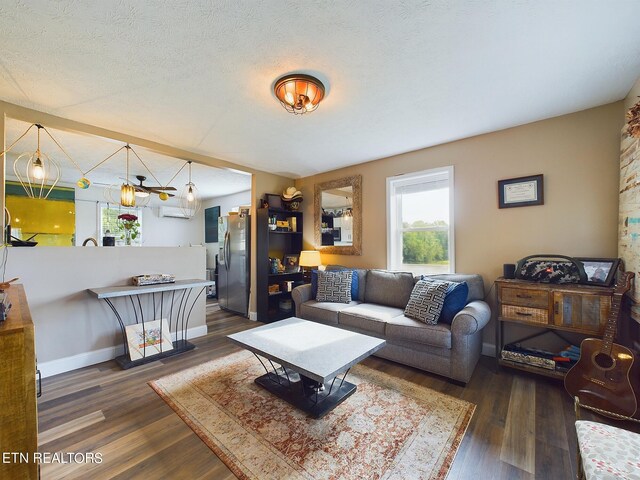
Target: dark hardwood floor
522, 426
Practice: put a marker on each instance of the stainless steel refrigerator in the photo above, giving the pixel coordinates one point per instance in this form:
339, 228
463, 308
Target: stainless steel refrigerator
233, 263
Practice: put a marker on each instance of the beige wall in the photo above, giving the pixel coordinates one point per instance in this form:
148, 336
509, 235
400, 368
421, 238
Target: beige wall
578, 155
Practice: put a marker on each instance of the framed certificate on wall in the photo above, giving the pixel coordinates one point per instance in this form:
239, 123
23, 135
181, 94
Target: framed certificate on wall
521, 192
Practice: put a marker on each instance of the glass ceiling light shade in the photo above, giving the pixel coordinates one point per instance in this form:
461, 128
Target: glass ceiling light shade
113, 195
37, 173
189, 198
299, 93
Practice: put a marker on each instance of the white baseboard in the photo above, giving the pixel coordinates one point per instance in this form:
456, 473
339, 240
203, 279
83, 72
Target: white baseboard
253, 316
66, 364
488, 349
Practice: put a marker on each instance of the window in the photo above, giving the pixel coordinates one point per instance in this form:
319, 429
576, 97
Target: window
420, 221
109, 221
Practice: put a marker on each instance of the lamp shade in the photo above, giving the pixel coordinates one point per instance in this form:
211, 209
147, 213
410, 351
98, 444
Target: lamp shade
310, 258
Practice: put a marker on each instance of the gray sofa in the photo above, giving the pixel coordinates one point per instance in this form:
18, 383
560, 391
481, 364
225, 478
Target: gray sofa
448, 350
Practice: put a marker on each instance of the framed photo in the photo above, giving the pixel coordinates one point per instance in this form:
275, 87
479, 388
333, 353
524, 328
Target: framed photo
150, 341
600, 271
521, 192
291, 263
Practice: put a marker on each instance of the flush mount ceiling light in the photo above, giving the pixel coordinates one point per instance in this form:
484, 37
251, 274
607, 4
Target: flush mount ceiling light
299, 93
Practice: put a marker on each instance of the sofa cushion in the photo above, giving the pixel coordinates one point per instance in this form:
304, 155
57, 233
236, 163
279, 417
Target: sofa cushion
368, 316
323, 312
354, 282
406, 329
456, 299
426, 301
334, 286
388, 288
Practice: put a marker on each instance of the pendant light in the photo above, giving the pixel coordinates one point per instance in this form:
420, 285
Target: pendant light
348, 211
127, 191
189, 199
36, 172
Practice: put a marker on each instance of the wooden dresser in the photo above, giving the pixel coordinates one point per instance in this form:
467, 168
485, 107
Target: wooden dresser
18, 408
582, 309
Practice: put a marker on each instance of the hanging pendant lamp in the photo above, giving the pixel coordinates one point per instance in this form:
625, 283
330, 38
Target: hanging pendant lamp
36, 171
189, 198
127, 191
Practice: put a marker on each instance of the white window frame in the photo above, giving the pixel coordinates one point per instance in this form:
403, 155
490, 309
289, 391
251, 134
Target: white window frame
137, 211
394, 209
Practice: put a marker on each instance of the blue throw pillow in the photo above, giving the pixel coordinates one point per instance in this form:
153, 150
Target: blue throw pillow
354, 283
455, 300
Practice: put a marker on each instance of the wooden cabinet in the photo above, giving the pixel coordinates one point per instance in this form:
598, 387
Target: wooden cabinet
18, 408
581, 309
271, 304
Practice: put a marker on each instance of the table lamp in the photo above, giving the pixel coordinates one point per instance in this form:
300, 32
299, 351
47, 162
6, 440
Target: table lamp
309, 259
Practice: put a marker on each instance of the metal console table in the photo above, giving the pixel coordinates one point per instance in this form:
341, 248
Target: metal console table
178, 317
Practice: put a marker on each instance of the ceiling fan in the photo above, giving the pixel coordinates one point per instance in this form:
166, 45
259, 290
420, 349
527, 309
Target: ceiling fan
150, 189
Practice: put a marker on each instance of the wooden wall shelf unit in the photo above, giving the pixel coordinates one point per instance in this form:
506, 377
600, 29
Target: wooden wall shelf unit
582, 309
273, 243
18, 408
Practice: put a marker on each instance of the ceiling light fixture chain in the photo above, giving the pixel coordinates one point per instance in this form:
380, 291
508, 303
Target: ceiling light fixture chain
100, 163
179, 170
18, 139
145, 166
84, 174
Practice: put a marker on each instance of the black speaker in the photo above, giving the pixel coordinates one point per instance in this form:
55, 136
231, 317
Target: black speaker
509, 270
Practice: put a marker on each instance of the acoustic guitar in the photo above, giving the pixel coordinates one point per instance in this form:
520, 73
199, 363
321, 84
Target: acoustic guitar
601, 378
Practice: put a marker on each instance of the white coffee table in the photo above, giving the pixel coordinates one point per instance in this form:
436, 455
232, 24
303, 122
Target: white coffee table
309, 356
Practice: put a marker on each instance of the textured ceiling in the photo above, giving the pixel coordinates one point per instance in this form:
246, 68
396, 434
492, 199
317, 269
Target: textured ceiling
401, 75
89, 150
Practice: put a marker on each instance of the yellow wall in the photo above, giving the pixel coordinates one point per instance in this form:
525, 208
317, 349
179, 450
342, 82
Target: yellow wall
578, 155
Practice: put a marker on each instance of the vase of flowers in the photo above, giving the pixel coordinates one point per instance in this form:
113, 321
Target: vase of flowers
130, 227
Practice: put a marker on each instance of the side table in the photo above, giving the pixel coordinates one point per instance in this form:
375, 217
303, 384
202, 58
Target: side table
177, 295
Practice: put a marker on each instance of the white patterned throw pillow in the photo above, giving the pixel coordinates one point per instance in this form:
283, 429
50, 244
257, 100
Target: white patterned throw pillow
426, 301
334, 286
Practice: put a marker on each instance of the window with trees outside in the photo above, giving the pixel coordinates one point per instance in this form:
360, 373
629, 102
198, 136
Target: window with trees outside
109, 222
420, 222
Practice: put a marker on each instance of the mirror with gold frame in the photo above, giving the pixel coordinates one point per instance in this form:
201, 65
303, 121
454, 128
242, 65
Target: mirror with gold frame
338, 216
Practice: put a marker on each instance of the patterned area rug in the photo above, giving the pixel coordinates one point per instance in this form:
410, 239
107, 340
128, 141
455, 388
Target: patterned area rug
388, 429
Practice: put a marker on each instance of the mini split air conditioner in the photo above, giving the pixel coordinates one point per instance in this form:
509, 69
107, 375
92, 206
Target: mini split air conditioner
173, 212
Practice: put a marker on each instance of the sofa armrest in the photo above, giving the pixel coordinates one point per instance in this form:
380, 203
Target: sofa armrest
301, 294
471, 319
